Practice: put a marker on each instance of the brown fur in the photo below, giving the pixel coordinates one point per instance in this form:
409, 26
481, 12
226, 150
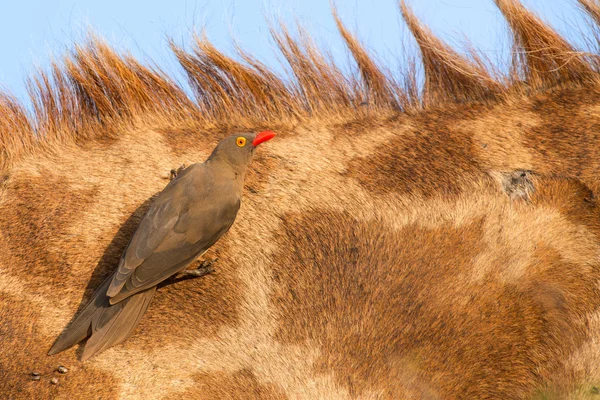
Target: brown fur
381, 251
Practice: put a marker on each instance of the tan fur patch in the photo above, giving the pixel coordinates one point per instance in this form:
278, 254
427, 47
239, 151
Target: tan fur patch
498, 138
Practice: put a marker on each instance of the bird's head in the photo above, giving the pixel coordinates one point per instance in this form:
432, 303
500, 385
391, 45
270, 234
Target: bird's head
238, 149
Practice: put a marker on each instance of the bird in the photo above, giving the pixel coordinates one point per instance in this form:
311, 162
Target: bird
187, 217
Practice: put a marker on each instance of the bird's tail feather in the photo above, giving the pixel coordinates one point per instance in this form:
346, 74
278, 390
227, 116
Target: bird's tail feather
108, 324
115, 323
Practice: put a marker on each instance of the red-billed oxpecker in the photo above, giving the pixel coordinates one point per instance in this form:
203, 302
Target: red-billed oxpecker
193, 211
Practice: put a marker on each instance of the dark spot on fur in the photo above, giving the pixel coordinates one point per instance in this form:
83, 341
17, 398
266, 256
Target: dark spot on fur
35, 216
430, 161
240, 385
567, 140
573, 198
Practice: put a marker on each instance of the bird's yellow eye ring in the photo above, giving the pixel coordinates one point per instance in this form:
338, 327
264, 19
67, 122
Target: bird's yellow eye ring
241, 141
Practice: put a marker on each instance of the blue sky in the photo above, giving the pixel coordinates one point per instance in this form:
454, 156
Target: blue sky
34, 31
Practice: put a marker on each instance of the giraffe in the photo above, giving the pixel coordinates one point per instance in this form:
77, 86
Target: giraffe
396, 241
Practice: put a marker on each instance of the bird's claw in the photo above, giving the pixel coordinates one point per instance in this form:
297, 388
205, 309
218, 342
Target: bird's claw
208, 263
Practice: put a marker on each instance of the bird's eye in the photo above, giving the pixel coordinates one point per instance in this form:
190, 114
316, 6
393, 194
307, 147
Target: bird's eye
241, 141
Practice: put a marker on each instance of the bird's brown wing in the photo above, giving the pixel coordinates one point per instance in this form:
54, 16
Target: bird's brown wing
184, 221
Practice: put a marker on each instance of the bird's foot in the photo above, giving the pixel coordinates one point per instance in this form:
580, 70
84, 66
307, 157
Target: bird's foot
203, 269
174, 172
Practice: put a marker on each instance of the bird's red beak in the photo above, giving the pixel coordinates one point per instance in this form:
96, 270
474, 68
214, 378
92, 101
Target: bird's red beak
263, 137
